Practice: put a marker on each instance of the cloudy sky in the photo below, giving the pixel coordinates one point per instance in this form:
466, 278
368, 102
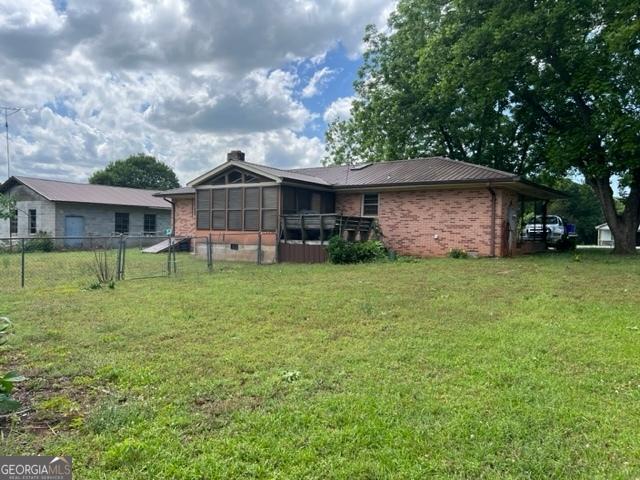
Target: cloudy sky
184, 80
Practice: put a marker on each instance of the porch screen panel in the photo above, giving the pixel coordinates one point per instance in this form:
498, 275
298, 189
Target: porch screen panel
234, 213
269, 209
251, 208
219, 214
203, 209
289, 200
328, 202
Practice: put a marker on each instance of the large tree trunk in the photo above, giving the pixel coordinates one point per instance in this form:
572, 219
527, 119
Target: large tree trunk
623, 226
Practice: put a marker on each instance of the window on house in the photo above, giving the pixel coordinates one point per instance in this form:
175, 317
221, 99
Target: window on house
33, 221
235, 177
149, 223
13, 223
370, 203
122, 223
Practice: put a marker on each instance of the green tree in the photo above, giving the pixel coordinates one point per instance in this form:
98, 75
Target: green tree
137, 171
7, 207
532, 86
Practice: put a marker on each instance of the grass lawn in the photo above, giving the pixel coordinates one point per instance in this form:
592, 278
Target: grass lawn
515, 368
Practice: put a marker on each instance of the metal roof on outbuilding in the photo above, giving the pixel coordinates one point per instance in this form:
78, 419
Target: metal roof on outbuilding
61, 191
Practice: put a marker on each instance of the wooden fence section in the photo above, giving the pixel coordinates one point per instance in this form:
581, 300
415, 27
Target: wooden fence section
302, 253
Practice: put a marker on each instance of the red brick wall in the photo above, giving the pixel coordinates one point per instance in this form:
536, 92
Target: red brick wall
409, 221
432, 222
185, 217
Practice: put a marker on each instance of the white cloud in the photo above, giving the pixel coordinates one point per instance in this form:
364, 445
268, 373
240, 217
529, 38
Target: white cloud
340, 109
318, 82
183, 80
260, 102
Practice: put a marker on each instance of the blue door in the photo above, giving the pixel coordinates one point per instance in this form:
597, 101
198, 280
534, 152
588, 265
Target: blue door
73, 228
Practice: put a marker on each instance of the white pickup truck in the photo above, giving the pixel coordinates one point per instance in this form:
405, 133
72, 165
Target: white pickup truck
556, 227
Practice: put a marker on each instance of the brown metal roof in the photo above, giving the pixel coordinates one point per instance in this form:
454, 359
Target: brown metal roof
398, 173
175, 192
416, 171
57, 191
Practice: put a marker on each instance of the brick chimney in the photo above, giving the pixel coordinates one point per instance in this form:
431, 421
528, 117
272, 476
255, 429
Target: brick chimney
235, 155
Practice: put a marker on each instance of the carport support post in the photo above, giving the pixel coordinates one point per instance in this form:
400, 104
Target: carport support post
544, 223
22, 263
259, 254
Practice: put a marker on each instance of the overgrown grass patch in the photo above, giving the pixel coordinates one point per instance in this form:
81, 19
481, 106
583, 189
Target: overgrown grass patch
523, 368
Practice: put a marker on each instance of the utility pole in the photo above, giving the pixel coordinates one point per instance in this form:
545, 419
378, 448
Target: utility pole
8, 111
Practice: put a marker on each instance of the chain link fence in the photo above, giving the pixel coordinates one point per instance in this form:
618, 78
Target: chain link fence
83, 262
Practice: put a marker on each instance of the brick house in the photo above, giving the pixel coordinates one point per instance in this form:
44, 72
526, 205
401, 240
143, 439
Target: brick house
420, 207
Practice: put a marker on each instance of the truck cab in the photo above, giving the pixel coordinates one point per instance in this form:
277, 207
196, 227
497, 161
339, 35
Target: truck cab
555, 227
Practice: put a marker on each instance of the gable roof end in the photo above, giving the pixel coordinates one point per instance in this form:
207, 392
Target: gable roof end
272, 173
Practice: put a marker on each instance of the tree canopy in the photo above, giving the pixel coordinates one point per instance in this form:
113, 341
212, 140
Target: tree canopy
534, 87
7, 207
137, 171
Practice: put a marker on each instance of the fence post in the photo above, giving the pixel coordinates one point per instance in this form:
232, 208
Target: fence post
123, 249
259, 256
173, 257
209, 254
169, 256
118, 255
22, 263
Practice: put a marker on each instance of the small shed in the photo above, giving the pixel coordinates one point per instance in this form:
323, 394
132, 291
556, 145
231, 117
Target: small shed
605, 238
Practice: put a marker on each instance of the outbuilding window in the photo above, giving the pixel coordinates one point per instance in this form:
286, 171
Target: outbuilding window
149, 223
13, 223
33, 221
122, 223
370, 203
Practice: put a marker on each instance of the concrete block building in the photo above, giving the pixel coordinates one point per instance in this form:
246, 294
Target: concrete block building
76, 210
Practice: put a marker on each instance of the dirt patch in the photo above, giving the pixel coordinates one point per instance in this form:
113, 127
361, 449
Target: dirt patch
51, 405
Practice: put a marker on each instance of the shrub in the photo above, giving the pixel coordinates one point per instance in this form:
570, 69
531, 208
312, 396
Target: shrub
42, 242
458, 253
342, 251
8, 380
102, 268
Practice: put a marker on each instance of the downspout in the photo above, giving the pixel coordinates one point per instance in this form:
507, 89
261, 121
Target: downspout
173, 215
493, 221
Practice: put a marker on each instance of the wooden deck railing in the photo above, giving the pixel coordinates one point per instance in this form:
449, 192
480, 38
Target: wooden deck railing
323, 225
